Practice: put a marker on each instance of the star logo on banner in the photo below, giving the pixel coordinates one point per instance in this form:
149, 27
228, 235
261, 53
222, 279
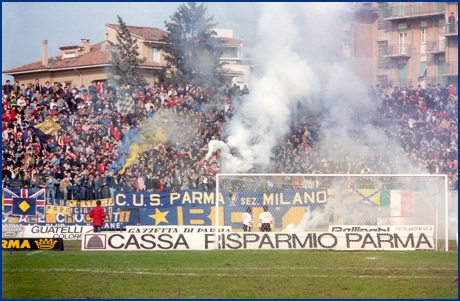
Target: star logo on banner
159, 216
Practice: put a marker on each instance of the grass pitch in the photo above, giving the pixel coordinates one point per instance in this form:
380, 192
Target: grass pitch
228, 274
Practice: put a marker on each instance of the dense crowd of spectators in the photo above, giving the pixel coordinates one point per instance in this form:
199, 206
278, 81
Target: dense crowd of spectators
86, 158
425, 123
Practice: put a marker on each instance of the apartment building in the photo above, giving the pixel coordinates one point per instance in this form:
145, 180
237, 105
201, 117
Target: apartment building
235, 55
81, 64
404, 43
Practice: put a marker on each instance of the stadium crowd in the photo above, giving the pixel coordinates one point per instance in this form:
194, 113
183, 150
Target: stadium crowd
85, 159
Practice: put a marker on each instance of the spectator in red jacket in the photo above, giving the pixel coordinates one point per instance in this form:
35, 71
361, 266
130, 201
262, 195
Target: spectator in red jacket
97, 214
140, 96
452, 90
115, 132
107, 147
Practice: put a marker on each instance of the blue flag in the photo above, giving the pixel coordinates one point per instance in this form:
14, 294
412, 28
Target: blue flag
24, 206
24, 202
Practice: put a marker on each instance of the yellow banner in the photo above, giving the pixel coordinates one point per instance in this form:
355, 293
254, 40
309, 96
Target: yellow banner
48, 127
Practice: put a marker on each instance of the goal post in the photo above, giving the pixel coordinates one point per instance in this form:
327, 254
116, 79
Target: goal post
341, 202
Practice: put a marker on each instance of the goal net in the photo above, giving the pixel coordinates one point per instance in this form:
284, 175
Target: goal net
325, 203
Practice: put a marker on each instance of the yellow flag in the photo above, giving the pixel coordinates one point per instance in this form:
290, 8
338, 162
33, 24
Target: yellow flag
127, 106
444, 124
48, 127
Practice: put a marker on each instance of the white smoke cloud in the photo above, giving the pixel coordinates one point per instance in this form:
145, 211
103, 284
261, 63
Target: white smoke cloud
294, 62
298, 59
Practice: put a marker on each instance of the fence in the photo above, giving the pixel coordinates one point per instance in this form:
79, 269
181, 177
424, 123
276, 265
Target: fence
397, 50
399, 10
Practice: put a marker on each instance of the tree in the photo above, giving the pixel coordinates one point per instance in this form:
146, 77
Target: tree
191, 48
125, 66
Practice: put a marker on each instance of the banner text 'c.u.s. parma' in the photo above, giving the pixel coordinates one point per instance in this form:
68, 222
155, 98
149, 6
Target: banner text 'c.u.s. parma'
193, 207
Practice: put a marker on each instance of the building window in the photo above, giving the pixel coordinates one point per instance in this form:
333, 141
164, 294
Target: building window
422, 70
230, 53
382, 49
442, 27
70, 54
423, 35
101, 81
155, 55
384, 9
346, 39
402, 43
382, 80
383, 25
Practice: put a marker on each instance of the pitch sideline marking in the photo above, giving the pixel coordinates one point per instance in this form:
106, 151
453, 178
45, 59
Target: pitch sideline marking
302, 268
287, 268
34, 252
218, 275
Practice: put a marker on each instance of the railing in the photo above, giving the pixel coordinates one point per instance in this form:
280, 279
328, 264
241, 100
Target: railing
432, 80
398, 10
236, 61
400, 82
450, 29
383, 25
451, 68
383, 63
397, 50
436, 46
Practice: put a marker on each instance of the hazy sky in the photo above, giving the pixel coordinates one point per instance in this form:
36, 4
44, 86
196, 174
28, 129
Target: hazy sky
26, 24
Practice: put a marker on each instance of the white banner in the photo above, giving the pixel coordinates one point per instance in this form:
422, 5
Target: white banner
258, 240
356, 228
64, 232
177, 229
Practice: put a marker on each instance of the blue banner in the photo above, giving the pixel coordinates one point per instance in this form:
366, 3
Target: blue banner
23, 202
24, 206
185, 208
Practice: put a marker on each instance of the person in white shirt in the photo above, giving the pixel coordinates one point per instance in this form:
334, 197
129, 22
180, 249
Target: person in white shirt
22, 102
247, 220
265, 220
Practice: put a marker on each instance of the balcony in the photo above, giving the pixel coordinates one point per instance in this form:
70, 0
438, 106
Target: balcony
383, 25
432, 80
402, 11
235, 61
400, 82
448, 32
450, 69
383, 63
397, 51
436, 47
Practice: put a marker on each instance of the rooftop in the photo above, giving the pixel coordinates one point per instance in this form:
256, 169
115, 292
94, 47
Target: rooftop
98, 55
146, 33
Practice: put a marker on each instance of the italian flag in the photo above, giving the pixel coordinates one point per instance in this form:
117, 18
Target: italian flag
400, 201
